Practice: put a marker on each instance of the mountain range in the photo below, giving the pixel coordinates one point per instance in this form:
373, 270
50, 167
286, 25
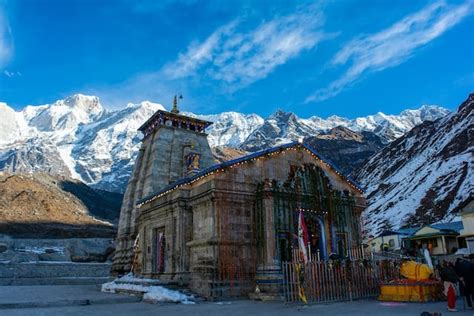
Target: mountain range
78, 137
422, 177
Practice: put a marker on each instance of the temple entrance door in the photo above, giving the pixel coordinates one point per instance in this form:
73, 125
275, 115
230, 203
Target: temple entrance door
159, 250
317, 236
287, 241
342, 244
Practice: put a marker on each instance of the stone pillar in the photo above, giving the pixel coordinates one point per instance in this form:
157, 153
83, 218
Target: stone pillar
181, 250
269, 276
185, 225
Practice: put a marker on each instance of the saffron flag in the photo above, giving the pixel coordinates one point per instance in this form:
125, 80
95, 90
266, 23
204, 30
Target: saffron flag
303, 237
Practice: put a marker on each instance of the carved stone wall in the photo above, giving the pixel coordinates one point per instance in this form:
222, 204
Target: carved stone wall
161, 161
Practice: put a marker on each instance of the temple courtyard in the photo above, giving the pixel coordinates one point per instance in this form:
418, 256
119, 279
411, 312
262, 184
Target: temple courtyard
88, 300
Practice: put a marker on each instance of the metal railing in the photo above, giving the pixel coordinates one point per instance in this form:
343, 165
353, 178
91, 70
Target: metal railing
326, 281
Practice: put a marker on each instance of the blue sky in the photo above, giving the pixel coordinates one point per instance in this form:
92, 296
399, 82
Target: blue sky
348, 58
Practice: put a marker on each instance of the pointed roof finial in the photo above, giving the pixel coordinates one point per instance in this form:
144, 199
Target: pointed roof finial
175, 105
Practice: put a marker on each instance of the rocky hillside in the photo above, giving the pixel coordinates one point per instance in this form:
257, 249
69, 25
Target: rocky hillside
348, 150
77, 137
40, 205
222, 154
424, 175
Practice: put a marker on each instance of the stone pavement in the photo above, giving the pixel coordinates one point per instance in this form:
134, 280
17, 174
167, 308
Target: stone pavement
88, 300
242, 307
57, 295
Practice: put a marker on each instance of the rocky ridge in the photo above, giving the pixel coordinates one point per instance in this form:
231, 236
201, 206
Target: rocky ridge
41, 205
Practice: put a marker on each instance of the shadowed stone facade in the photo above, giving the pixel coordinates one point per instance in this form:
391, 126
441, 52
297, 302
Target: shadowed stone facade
169, 138
222, 230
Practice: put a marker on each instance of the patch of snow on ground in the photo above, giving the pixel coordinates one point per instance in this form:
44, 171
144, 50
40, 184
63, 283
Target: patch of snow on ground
130, 278
161, 294
152, 294
112, 287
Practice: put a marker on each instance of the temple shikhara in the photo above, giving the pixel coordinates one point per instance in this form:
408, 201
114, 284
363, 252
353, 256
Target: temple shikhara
223, 229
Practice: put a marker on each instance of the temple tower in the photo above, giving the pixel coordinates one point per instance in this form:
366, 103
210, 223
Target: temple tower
174, 146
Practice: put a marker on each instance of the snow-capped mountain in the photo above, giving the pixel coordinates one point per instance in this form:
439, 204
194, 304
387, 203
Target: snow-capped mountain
64, 115
74, 137
282, 127
230, 128
78, 137
423, 176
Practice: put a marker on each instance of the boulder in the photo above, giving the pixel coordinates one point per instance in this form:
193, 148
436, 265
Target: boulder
91, 251
3, 247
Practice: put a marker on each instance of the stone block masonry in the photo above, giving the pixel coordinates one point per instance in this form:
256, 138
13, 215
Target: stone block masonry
160, 162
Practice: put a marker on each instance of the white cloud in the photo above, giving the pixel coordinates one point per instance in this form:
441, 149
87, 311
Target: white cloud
235, 55
392, 46
240, 57
198, 53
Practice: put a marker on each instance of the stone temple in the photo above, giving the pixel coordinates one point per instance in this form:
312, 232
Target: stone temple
222, 229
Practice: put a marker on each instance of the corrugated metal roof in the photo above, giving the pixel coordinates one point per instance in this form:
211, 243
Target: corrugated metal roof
408, 231
456, 226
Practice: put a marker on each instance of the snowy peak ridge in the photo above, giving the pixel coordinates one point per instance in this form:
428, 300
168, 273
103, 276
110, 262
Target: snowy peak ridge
66, 115
282, 115
281, 126
147, 105
84, 102
99, 146
229, 128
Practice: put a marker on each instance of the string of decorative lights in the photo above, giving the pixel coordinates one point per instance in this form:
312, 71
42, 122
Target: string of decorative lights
312, 211
294, 146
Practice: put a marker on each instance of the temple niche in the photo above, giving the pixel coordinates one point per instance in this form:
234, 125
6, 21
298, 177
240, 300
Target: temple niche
222, 229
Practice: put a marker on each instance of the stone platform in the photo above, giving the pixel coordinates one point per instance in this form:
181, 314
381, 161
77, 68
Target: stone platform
54, 273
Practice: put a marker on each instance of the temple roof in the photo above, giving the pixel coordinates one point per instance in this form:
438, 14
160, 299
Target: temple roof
227, 164
160, 117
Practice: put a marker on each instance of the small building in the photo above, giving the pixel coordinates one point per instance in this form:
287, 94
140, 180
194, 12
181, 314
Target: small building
467, 215
439, 239
391, 240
